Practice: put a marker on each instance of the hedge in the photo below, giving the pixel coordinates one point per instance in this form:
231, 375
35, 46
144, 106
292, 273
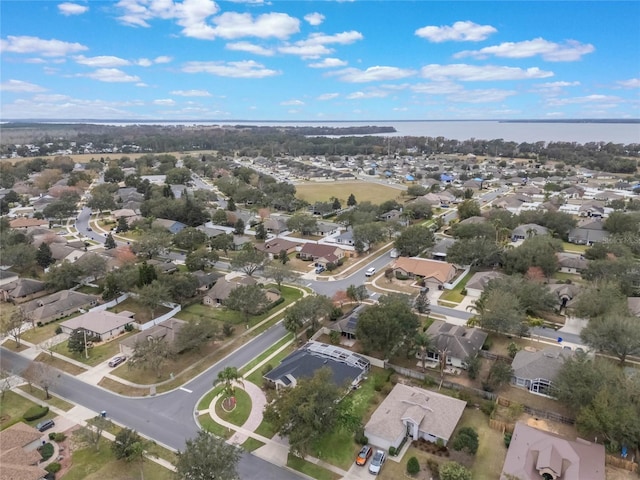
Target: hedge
46, 451
53, 467
35, 412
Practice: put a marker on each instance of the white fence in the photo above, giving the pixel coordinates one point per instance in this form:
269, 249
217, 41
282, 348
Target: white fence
110, 304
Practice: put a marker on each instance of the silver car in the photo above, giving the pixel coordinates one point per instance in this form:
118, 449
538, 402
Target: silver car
377, 461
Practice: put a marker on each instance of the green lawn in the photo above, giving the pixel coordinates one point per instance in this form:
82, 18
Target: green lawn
252, 444
454, 295
53, 401
310, 469
240, 413
491, 450
570, 247
210, 426
40, 334
97, 354
260, 358
208, 398
12, 407
265, 429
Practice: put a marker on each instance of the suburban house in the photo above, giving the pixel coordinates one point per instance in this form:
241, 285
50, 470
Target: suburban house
325, 228
535, 370
633, 304
347, 325
566, 293
172, 225
588, 233
434, 272
223, 287
57, 305
535, 454
7, 276
62, 253
347, 368
274, 246
163, 267
103, 324
321, 254
22, 289
24, 223
415, 413
456, 342
275, 224
522, 232
439, 250
479, 280
572, 262
206, 280
167, 330
19, 456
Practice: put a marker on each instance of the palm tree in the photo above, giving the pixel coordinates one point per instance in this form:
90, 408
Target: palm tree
425, 342
228, 376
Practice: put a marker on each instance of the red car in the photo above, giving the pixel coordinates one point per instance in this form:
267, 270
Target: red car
364, 455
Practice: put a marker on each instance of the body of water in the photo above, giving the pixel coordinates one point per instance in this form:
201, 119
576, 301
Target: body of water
579, 132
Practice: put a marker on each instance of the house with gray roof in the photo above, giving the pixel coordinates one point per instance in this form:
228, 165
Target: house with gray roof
348, 324
477, 283
347, 368
536, 454
22, 289
535, 370
172, 225
103, 324
167, 330
566, 293
439, 250
415, 413
572, 262
19, 454
57, 305
7, 276
528, 230
217, 294
455, 342
588, 233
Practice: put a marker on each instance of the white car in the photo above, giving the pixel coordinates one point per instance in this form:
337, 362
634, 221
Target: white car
370, 272
377, 461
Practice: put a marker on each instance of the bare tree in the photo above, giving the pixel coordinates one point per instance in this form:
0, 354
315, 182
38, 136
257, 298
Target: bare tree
5, 382
41, 375
92, 432
12, 326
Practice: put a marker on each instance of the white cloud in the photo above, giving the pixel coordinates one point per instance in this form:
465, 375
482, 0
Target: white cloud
244, 69
103, 61
190, 93
35, 60
368, 94
314, 19
458, 32
62, 106
250, 48
436, 88
141, 84
147, 62
47, 48
490, 95
20, 86
269, 25
373, 74
163, 59
111, 75
474, 73
569, 51
631, 83
305, 51
595, 99
68, 8
327, 96
558, 84
164, 101
292, 103
144, 62
328, 63
316, 44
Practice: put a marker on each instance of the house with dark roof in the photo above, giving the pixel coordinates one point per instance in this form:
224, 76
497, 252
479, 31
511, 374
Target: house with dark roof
348, 324
206, 280
171, 225
22, 289
535, 370
19, 456
416, 413
588, 233
528, 230
7, 276
321, 253
536, 454
347, 368
572, 262
479, 280
217, 294
57, 305
565, 292
455, 342
439, 250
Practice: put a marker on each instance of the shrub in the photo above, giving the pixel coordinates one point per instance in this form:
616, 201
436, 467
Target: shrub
434, 467
334, 337
360, 438
386, 388
413, 466
227, 329
488, 343
128, 327
401, 276
58, 330
46, 451
512, 348
454, 471
57, 436
275, 303
53, 467
467, 440
35, 412
266, 369
487, 408
463, 292
507, 439
392, 451
331, 266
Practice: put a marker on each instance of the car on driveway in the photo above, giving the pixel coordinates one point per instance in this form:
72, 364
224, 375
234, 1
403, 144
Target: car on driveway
377, 461
45, 425
115, 361
364, 455
370, 272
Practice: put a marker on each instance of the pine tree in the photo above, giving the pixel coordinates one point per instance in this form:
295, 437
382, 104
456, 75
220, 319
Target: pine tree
44, 257
109, 242
351, 201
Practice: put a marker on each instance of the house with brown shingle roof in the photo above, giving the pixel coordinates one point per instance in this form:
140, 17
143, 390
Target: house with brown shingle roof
455, 342
57, 305
99, 323
223, 287
433, 271
274, 246
414, 412
320, 253
28, 223
534, 454
19, 456
22, 289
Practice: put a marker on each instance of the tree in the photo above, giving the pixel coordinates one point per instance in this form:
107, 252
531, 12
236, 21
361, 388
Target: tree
368, 233
222, 242
152, 296
123, 446
41, 375
231, 205
501, 312
424, 342
260, 231
422, 303
614, 334
200, 259
193, 335
580, 378
91, 434
109, 242
499, 374
92, 266
468, 208
413, 240
113, 175
21, 256
227, 376
308, 311
307, 411
152, 243
12, 325
454, 471
279, 272
63, 276
477, 252
351, 201
146, 274
336, 205
357, 293
599, 299
383, 326
151, 353
247, 299
537, 251
122, 225
238, 227
101, 199
81, 341
189, 239
44, 257
303, 223
207, 457
249, 260
466, 439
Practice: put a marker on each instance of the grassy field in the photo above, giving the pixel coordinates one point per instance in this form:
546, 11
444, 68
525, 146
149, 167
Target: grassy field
240, 413
12, 407
363, 191
570, 247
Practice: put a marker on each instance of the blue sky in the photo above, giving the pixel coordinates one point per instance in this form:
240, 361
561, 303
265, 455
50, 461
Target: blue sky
319, 60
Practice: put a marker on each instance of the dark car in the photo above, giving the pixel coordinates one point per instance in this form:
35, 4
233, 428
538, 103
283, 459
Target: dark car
46, 425
115, 361
364, 455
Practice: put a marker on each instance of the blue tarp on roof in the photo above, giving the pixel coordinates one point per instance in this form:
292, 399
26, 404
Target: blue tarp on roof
446, 178
409, 178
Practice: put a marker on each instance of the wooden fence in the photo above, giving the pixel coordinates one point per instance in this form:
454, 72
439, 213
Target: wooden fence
621, 463
501, 426
534, 412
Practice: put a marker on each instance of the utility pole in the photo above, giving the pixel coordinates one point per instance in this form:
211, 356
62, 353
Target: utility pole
86, 348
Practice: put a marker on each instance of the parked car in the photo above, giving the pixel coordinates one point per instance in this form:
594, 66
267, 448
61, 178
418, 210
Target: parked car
115, 361
320, 269
46, 425
377, 461
370, 272
364, 455
88, 229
